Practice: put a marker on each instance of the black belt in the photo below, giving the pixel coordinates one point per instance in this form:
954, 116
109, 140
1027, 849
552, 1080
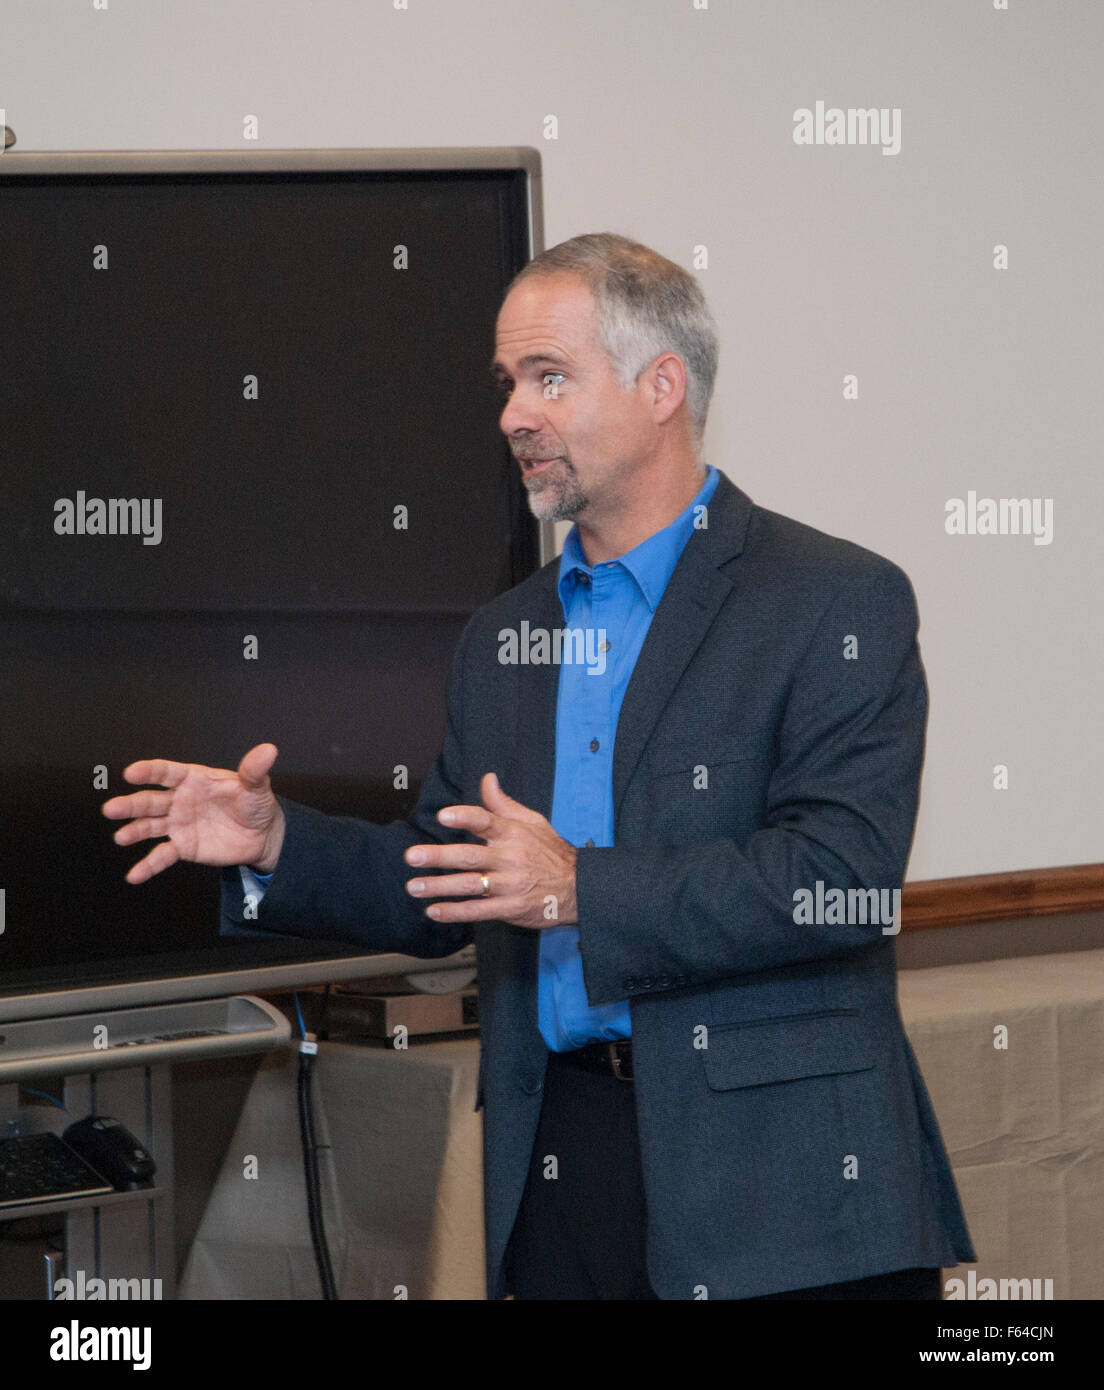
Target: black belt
607, 1058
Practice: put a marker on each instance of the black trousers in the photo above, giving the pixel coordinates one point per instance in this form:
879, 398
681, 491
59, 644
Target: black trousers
580, 1234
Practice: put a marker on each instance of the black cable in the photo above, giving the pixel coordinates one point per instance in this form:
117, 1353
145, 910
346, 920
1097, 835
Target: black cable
310, 1167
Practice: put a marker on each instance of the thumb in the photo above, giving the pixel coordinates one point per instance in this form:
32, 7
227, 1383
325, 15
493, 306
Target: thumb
496, 800
254, 767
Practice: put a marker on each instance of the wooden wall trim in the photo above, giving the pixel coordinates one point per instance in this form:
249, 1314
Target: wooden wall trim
952, 902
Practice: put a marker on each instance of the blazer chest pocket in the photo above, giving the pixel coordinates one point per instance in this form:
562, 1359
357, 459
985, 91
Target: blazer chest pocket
787, 1049
667, 759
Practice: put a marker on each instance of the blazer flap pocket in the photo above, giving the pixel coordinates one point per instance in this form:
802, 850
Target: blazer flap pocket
787, 1049
684, 754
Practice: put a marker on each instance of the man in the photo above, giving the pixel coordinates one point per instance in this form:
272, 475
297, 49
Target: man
695, 1087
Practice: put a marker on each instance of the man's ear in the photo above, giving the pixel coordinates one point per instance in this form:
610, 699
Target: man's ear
667, 383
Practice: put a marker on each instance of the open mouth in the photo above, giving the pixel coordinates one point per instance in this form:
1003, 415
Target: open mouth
535, 465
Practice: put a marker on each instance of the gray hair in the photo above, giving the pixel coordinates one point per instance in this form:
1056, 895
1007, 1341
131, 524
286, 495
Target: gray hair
645, 305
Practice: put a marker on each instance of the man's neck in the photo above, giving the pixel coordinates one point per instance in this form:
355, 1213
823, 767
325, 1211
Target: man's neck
605, 539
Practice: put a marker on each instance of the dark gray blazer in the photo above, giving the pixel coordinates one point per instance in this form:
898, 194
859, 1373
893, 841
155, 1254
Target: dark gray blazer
786, 1134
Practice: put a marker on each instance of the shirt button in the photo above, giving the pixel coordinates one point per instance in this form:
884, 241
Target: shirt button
594, 745
584, 578
589, 844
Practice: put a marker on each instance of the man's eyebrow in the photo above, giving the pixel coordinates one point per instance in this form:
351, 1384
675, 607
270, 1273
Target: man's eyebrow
533, 359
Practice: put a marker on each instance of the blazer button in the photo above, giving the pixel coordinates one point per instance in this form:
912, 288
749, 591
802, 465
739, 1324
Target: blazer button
629, 984
531, 1084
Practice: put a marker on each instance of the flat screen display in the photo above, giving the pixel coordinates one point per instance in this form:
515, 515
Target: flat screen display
251, 488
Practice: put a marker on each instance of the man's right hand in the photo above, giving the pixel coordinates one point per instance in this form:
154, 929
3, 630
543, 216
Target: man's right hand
209, 814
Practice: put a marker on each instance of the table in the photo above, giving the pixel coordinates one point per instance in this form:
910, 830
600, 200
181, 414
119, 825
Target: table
1023, 1124
402, 1183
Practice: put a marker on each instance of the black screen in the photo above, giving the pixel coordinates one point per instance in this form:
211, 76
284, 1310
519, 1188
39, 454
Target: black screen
204, 441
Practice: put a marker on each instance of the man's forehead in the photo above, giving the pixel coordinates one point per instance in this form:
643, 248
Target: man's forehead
551, 315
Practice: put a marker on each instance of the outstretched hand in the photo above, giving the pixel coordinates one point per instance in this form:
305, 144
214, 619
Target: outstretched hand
209, 815
530, 869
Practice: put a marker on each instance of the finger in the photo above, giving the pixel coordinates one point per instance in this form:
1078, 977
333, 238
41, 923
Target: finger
446, 886
492, 909
161, 857
135, 830
137, 804
496, 800
477, 819
255, 766
156, 770
447, 856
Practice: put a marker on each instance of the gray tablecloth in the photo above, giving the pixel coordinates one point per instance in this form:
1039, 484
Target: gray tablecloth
1024, 1125
402, 1181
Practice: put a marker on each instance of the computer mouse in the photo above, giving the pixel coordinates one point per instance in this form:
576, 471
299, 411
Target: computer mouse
112, 1150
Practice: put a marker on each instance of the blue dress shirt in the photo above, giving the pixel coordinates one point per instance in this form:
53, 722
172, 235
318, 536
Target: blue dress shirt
616, 599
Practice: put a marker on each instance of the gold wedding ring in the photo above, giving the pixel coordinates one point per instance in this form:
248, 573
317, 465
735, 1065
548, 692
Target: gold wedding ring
486, 893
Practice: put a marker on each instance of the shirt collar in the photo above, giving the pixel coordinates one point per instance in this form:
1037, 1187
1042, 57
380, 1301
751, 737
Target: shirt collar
651, 563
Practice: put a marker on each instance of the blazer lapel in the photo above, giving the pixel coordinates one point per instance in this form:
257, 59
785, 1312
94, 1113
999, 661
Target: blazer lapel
534, 770
690, 602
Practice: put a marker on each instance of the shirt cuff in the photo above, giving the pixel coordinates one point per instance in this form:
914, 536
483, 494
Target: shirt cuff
253, 882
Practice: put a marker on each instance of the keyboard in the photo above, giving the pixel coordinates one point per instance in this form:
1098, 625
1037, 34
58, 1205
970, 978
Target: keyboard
40, 1168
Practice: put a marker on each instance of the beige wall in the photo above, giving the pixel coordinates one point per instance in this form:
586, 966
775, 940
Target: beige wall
675, 126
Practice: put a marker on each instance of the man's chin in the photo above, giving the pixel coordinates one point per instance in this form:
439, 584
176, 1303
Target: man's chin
555, 508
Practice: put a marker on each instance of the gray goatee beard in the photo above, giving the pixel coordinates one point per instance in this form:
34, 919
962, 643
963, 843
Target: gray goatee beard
556, 496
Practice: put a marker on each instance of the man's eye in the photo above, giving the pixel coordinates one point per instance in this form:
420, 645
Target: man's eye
505, 387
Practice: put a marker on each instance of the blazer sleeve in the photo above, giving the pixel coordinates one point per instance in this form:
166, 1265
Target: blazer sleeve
840, 808
344, 879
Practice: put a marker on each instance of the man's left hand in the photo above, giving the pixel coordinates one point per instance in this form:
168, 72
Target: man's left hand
529, 868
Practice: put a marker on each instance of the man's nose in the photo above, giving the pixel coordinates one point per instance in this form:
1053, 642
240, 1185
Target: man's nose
522, 412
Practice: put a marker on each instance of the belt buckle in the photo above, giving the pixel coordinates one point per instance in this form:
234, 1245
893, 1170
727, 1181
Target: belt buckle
615, 1062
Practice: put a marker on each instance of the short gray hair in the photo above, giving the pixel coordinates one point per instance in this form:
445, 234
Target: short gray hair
645, 305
